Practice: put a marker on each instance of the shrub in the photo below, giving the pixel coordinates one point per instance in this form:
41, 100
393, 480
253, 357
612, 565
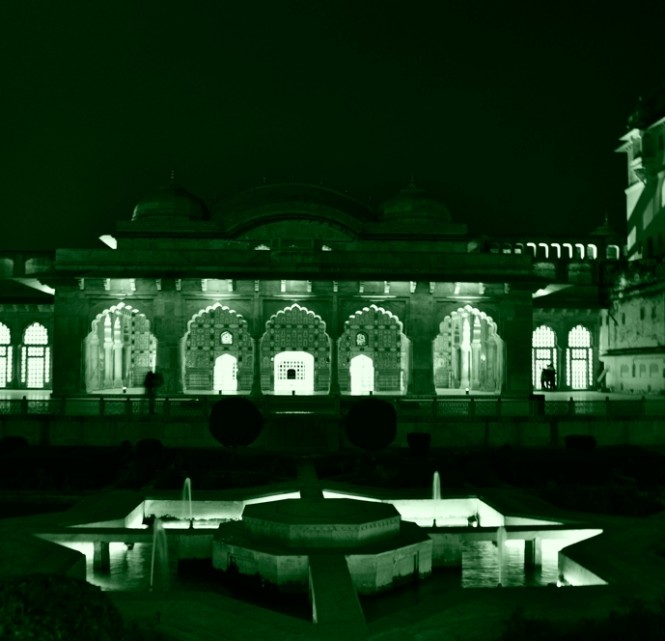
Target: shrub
50, 607
235, 422
12, 444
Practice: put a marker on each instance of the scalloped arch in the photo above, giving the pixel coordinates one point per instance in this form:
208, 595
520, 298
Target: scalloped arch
471, 310
212, 308
378, 310
290, 308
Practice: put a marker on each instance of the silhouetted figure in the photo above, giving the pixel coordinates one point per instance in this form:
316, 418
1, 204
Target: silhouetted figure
151, 383
548, 377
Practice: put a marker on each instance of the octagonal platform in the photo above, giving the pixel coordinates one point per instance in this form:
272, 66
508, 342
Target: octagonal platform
333, 523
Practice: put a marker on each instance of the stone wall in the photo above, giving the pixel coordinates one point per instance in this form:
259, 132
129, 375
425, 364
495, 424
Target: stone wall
454, 432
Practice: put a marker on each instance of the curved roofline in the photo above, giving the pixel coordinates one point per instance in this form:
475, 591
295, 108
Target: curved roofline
276, 202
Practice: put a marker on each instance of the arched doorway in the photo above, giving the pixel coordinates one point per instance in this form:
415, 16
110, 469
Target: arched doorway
301, 334
468, 352
361, 371
579, 361
213, 332
543, 352
119, 350
377, 334
225, 377
294, 372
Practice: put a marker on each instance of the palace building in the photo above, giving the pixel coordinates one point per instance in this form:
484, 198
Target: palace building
301, 289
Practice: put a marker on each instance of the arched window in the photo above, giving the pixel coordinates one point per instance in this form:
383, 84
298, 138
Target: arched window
5, 355
612, 252
579, 364
226, 338
35, 357
543, 354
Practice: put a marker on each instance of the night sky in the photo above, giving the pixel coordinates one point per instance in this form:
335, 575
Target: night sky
510, 118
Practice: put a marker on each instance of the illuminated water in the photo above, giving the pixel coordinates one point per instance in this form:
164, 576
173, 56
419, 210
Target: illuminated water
187, 500
436, 486
130, 568
159, 558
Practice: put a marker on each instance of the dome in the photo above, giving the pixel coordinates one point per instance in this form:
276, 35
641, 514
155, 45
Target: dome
605, 230
171, 201
413, 203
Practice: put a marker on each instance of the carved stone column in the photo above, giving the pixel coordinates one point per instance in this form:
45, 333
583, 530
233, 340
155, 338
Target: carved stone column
421, 332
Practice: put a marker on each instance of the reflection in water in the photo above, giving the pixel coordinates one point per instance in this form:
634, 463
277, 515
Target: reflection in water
130, 568
480, 565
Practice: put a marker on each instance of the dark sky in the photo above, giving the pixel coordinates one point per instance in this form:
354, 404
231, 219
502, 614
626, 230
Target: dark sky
510, 117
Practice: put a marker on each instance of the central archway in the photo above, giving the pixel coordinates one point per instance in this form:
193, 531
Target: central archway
295, 353
294, 372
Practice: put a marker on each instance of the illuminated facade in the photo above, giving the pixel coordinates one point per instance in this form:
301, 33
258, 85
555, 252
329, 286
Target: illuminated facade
632, 333
300, 289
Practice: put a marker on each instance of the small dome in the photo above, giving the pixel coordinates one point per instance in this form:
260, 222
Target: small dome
412, 202
605, 230
171, 201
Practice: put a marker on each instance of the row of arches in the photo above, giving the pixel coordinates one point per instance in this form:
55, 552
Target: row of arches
550, 250
28, 363
576, 358
294, 353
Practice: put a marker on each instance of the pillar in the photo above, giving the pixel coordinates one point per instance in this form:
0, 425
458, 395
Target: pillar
334, 367
532, 553
256, 372
168, 325
70, 327
334, 333
515, 330
420, 330
465, 353
101, 559
257, 328
117, 354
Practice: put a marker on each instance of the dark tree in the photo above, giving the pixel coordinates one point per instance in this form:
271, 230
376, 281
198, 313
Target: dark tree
371, 424
49, 607
235, 422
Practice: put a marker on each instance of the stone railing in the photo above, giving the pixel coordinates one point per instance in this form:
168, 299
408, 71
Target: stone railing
331, 406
